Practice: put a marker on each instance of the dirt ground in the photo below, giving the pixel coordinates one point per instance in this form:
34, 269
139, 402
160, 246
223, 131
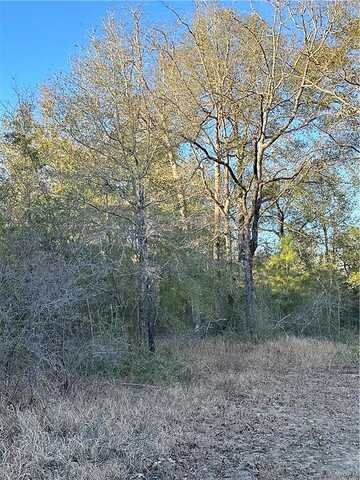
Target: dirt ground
285, 426
283, 410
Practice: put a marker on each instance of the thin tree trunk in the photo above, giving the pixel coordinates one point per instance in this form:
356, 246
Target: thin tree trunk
150, 316
281, 220
246, 255
195, 313
227, 229
326, 242
217, 214
249, 292
178, 185
146, 311
179, 191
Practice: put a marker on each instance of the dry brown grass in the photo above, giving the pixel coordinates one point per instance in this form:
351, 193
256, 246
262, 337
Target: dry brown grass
223, 355
234, 401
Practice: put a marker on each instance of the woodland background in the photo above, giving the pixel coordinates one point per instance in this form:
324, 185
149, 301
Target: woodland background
198, 181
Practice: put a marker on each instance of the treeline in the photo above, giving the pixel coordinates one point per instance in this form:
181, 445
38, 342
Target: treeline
202, 178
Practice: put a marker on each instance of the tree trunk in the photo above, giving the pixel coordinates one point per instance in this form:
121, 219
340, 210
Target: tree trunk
180, 195
227, 229
195, 314
246, 255
179, 190
178, 185
249, 293
217, 214
150, 316
146, 310
326, 242
281, 220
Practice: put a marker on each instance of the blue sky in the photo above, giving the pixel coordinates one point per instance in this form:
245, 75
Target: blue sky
37, 39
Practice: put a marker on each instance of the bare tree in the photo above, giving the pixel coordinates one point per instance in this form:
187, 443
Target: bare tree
102, 106
249, 98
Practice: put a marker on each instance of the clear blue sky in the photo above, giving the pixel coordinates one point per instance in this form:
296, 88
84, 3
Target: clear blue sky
37, 39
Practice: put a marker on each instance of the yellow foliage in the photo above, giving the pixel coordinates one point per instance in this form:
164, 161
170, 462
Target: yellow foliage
283, 273
354, 279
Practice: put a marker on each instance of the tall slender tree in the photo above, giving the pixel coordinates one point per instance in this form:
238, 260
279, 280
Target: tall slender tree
103, 107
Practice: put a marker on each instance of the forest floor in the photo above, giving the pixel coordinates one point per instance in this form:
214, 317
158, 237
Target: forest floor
286, 409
